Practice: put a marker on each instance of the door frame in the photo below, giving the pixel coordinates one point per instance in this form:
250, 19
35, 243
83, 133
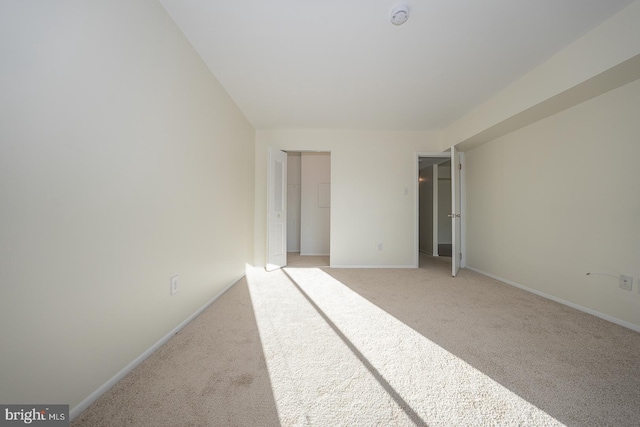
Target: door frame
463, 194
297, 150
456, 214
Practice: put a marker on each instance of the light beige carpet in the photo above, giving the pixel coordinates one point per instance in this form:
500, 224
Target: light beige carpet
320, 346
212, 373
294, 259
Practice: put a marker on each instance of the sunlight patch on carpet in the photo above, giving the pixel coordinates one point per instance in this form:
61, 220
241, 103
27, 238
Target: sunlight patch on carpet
334, 358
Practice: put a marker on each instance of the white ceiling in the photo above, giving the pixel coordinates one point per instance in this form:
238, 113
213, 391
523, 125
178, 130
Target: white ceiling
328, 64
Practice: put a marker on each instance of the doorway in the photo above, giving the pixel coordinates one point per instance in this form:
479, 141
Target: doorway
439, 207
434, 206
307, 209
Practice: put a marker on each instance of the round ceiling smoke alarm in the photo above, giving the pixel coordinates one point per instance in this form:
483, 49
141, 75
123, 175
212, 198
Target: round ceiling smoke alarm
399, 14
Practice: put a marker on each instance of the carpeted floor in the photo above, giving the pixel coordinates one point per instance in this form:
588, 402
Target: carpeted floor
294, 259
321, 346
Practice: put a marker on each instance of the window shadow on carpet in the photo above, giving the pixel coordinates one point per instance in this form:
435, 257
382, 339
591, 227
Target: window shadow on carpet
578, 368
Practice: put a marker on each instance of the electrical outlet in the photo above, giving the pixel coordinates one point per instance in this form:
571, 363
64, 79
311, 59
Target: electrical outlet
626, 282
379, 246
175, 285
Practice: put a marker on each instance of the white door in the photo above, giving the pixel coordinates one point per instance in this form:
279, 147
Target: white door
456, 228
277, 210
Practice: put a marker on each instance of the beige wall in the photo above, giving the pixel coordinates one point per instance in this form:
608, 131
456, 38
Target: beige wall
559, 198
294, 194
122, 163
314, 218
369, 174
444, 204
425, 212
601, 60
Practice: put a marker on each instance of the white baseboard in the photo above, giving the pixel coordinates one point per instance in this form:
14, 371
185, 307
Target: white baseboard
593, 312
77, 410
372, 266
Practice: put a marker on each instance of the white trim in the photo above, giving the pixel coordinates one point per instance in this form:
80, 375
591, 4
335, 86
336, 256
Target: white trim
293, 151
372, 266
82, 406
587, 310
416, 200
435, 195
463, 209
323, 254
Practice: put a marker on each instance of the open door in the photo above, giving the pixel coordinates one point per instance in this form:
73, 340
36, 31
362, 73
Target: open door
277, 210
456, 220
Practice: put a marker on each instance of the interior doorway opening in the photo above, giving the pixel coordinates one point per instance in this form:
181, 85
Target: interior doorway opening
440, 207
434, 206
308, 208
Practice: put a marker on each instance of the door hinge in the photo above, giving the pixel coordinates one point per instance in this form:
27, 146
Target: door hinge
460, 255
460, 166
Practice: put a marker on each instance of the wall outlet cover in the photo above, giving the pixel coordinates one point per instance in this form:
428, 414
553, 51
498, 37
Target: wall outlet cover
175, 285
626, 282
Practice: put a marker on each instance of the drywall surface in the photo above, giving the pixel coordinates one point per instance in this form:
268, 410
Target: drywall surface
315, 207
559, 198
370, 172
294, 193
605, 47
444, 204
123, 162
425, 221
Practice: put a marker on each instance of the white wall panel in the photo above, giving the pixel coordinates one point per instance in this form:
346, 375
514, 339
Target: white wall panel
123, 162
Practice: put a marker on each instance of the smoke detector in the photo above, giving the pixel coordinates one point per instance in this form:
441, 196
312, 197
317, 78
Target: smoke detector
399, 14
